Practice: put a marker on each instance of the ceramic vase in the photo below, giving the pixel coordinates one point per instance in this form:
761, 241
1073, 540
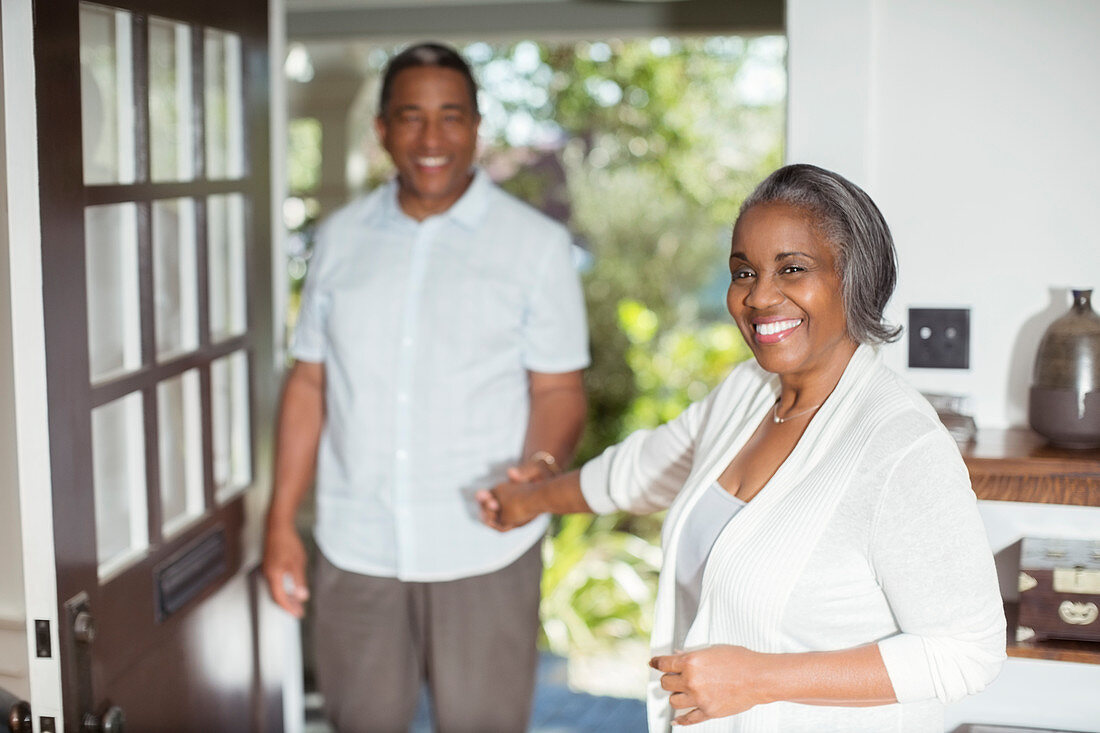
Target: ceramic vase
1064, 404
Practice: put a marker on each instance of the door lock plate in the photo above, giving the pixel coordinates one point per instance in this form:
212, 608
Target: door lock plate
81, 633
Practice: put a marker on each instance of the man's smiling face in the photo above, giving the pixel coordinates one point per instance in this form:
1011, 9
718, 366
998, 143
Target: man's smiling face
429, 128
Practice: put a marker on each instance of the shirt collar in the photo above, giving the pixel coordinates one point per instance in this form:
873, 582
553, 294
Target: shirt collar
468, 211
472, 207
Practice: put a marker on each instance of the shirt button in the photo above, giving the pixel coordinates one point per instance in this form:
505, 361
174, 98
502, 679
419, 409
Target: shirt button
402, 455
402, 397
407, 341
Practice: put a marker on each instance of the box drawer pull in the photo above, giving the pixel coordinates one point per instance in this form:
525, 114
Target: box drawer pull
1078, 614
1076, 580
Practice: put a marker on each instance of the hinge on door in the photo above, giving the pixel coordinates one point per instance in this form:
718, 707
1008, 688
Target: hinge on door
43, 647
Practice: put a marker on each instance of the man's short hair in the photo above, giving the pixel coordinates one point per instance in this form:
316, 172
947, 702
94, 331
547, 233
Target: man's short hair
426, 54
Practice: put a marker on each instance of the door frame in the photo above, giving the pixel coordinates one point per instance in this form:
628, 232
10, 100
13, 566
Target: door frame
28, 351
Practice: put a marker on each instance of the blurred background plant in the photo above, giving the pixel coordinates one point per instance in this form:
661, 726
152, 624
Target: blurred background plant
645, 149
599, 586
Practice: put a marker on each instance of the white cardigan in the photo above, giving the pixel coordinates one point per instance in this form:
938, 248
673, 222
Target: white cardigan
868, 532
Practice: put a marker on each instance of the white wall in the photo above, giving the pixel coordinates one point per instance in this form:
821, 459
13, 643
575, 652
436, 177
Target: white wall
975, 125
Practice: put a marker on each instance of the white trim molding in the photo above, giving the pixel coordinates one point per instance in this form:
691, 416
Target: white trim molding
20, 245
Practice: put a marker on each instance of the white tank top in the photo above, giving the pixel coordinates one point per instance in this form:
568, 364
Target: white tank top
708, 518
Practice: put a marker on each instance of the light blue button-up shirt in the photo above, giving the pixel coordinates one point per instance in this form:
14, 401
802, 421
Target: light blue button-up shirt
427, 331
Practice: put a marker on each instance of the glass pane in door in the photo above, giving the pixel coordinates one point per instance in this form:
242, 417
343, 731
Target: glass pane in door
231, 434
118, 481
111, 276
106, 94
223, 101
171, 132
226, 265
175, 277
179, 419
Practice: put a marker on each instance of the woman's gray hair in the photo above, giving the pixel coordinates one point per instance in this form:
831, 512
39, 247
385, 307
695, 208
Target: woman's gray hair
850, 221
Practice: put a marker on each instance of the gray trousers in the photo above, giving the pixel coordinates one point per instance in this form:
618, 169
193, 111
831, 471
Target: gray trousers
472, 640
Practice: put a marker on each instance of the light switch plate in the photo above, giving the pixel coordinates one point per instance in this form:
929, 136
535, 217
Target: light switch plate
939, 338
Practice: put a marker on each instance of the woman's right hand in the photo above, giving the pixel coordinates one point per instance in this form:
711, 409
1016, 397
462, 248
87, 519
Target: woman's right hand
507, 505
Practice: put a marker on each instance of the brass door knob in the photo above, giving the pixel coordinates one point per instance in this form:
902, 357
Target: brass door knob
19, 718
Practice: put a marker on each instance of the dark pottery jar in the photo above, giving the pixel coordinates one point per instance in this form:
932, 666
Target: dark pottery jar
1064, 404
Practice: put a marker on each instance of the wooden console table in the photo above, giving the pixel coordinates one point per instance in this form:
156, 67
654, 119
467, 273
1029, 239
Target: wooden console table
1018, 465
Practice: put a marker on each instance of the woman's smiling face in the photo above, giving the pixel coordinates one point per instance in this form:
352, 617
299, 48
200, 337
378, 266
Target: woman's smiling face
785, 292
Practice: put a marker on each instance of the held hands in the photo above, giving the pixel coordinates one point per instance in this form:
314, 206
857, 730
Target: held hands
285, 569
504, 507
529, 471
713, 682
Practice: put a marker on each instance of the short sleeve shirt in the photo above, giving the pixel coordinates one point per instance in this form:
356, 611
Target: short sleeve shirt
427, 331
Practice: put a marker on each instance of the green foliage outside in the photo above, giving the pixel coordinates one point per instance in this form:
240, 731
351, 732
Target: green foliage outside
599, 584
678, 368
661, 151
304, 154
662, 146
646, 148
601, 572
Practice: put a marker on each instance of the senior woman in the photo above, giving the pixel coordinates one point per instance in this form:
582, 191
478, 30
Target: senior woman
825, 565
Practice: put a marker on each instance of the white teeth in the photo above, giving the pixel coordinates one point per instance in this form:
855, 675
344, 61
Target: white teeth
767, 329
431, 162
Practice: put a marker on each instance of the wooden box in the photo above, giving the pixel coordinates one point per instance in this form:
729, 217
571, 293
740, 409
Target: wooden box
1059, 586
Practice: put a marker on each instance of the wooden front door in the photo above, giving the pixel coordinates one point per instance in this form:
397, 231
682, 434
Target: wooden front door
153, 140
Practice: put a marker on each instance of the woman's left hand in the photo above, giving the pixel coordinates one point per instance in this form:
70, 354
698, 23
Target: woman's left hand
716, 681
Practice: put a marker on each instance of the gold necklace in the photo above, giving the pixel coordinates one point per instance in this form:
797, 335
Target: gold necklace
777, 420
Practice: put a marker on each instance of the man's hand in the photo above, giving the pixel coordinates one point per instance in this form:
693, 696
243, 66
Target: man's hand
711, 683
285, 569
507, 505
